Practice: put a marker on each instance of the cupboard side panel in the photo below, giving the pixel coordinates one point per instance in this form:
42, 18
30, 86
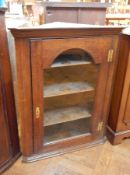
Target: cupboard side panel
23, 95
127, 112
6, 80
5, 151
114, 119
110, 80
126, 95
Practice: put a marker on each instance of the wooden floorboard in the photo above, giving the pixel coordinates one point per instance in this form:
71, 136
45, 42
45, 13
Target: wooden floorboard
100, 160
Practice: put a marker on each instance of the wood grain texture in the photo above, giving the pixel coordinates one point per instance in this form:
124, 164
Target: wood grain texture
66, 88
123, 111
7, 82
118, 121
100, 160
24, 98
91, 45
39, 49
46, 55
111, 76
84, 99
117, 137
77, 4
127, 112
61, 115
9, 143
37, 93
119, 81
65, 33
5, 150
70, 129
87, 13
67, 80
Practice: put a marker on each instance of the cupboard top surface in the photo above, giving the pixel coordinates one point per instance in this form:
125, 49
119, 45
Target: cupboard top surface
60, 29
77, 4
65, 25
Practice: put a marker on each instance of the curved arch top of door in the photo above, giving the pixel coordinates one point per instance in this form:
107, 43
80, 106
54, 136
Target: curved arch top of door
51, 49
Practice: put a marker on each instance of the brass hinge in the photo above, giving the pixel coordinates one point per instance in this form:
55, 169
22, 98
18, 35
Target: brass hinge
37, 112
100, 126
110, 55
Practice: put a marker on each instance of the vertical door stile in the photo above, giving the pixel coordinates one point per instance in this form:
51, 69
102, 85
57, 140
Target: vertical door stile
99, 97
37, 91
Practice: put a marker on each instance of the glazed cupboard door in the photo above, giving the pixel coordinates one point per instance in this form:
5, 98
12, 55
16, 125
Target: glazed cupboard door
69, 80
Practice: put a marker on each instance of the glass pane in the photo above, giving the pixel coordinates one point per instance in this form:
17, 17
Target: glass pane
69, 90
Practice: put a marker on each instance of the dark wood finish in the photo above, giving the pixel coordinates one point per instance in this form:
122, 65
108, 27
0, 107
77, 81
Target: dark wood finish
69, 149
24, 95
59, 32
9, 144
90, 45
77, 4
119, 118
86, 13
36, 50
4, 136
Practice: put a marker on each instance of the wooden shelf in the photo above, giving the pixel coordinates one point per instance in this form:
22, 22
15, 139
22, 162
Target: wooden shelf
72, 58
66, 130
61, 115
69, 80
70, 63
66, 88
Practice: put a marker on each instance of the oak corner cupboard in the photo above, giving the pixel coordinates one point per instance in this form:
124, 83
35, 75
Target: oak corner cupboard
63, 83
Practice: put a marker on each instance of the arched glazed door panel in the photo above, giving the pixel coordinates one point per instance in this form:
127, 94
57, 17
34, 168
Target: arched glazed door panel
69, 79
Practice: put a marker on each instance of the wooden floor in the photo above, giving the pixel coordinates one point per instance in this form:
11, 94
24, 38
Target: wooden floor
100, 160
